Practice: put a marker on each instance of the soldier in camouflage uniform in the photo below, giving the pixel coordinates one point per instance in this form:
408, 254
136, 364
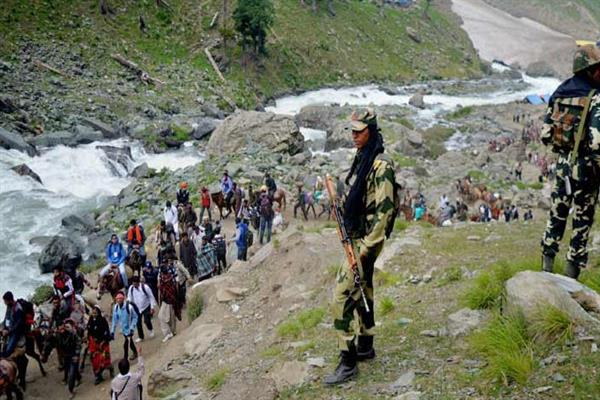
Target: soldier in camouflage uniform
368, 215
577, 176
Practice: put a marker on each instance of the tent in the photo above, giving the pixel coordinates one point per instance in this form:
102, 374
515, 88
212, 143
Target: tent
535, 99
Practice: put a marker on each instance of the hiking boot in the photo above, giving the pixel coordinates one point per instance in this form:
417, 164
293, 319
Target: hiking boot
346, 369
572, 270
365, 350
547, 263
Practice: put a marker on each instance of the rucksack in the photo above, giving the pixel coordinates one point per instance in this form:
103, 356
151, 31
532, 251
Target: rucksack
396, 197
266, 207
249, 238
28, 312
566, 122
221, 246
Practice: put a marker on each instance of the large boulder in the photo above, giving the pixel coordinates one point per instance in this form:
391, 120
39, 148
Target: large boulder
339, 136
108, 132
61, 251
203, 127
417, 100
321, 117
531, 291
540, 68
119, 157
10, 140
50, 139
24, 170
78, 223
246, 129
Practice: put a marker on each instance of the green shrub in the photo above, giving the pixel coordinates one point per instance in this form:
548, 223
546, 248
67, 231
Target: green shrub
194, 305
552, 325
303, 322
507, 348
452, 274
487, 290
216, 380
536, 185
386, 305
400, 225
42, 294
461, 113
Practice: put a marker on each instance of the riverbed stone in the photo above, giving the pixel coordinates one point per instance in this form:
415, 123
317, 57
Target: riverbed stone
60, 252
24, 170
10, 140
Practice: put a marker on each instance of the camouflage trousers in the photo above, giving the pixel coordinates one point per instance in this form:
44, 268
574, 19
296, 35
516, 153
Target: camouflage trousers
583, 196
348, 309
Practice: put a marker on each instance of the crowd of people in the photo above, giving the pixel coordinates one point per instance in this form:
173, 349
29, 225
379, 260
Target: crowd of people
141, 288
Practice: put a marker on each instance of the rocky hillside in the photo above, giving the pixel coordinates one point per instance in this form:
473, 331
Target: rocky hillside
60, 61
578, 18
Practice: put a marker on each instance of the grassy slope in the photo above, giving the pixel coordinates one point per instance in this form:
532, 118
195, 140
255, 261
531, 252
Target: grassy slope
446, 368
308, 50
578, 18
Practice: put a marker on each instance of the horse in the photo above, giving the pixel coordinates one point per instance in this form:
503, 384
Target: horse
407, 211
111, 282
8, 377
279, 197
135, 261
218, 199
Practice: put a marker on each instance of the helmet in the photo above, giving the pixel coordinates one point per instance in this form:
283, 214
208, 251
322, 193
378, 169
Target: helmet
183, 185
263, 188
586, 57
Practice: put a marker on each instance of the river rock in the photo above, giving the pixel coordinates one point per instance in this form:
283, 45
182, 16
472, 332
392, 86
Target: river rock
246, 129
86, 134
10, 140
339, 136
527, 291
119, 157
78, 223
24, 170
202, 128
417, 100
413, 34
414, 138
321, 117
61, 251
50, 139
142, 171
108, 132
540, 68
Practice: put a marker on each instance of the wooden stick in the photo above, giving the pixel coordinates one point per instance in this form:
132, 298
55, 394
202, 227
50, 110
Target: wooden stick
214, 64
50, 68
214, 20
143, 75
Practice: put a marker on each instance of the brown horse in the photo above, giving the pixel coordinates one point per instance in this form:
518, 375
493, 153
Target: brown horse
279, 197
407, 211
110, 283
134, 261
219, 200
8, 378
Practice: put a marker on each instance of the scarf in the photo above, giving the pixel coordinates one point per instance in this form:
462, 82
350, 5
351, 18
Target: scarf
354, 207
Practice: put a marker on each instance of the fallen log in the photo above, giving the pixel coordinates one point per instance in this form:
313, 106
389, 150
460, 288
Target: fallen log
214, 20
50, 68
214, 64
143, 75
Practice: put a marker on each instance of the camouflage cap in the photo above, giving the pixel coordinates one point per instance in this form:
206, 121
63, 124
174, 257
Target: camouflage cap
586, 57
360, 119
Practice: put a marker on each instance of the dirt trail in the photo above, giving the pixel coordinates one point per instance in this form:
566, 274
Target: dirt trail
498, 35
155, 352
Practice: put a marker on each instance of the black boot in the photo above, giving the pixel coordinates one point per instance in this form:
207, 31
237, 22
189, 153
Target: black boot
547, 263
346, 369
365, 350
572, 270
98, 379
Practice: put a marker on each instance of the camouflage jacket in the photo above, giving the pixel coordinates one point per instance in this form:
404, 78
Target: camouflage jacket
379, 201
594, 127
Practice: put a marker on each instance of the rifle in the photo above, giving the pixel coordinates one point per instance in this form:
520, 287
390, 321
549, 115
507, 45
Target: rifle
336, 210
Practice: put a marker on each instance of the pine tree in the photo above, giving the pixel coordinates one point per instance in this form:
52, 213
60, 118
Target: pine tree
252, 20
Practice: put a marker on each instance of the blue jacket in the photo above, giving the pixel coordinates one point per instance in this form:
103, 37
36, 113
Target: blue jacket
242, 234
115, 253
226, 185
126, 316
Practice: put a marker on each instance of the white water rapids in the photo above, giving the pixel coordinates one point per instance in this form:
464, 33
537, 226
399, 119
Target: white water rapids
76, 180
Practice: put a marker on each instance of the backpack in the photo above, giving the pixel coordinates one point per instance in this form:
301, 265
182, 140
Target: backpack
266, 207
221, 246
396, 198
249, 238
28, 312
566, 122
